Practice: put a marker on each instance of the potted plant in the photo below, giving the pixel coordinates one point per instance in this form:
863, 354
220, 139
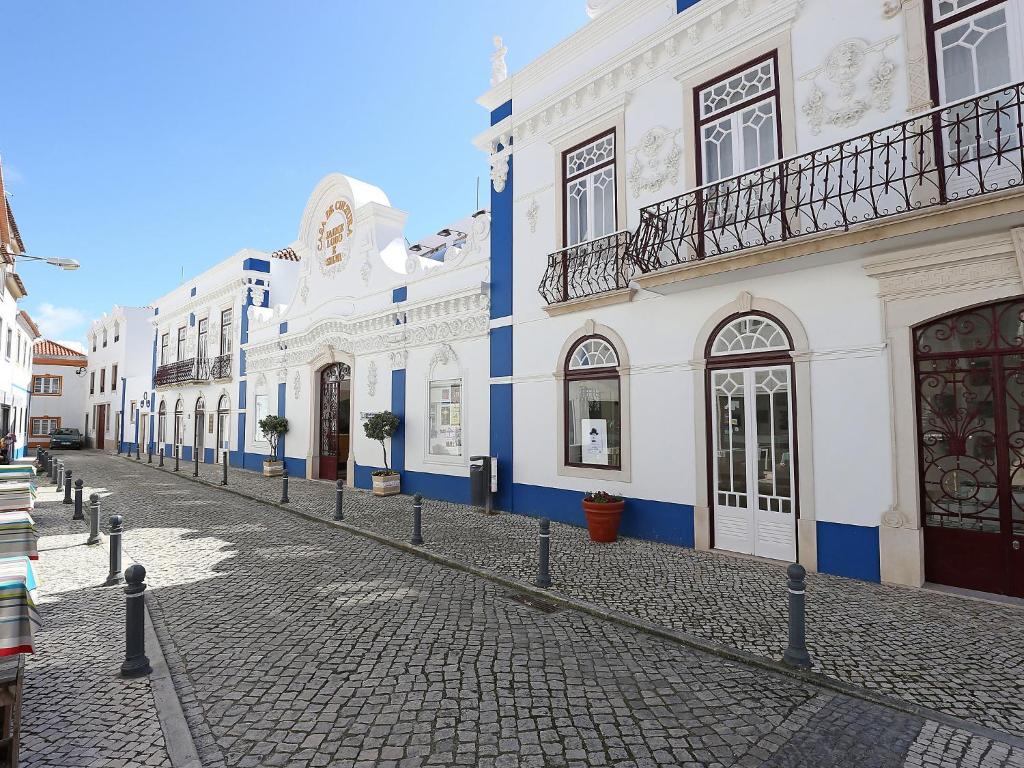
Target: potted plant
380, 427
272, 428
604, 513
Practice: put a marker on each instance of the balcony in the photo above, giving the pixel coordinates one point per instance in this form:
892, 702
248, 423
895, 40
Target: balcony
937, 161
220, 367
587, 269
171, 374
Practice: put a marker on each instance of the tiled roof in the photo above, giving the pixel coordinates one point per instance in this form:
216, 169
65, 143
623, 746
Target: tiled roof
47, 348
14, 229
20, 283
285, 254
29, 321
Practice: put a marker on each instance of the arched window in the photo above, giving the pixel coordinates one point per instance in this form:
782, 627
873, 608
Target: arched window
104, 337
179, 410
199, 444
750, 334
593, 422
161, 423
117, 332
223, 432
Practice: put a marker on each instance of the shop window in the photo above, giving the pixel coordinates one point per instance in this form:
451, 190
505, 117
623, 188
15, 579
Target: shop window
446, 414
593, 423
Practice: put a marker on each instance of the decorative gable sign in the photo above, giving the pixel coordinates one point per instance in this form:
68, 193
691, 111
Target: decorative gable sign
334, 236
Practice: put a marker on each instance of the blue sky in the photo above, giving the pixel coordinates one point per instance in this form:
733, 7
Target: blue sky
147, 138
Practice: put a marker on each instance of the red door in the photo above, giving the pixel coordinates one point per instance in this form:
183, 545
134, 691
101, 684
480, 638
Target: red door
970, 384
101, 424
333, 421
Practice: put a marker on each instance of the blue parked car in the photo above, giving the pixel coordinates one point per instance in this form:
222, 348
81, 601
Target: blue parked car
66, 437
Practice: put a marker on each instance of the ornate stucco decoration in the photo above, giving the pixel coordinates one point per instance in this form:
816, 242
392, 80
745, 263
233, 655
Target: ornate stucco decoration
531, 215
371, 378
334, 236
399, 359
499, 70
443, 355
891, 8
297, 385
655, 161
366, 270
596, 7
478, 234
841, 78
499, 171
304, 290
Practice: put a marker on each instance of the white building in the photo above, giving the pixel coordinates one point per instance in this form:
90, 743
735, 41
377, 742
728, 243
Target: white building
198, 371
758, 270
17, 333
59, 391
375, 325
120, 354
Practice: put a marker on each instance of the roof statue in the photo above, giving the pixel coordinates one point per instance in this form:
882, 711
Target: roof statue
499, 71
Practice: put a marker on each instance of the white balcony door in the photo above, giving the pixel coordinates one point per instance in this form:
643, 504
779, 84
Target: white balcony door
752, 449
590, 190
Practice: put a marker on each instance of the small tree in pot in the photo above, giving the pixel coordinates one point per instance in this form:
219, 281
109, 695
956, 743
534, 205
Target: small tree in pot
604, 513
380, 427
272, 427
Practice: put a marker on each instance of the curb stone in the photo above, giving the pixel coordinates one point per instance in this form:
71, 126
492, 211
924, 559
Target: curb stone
773, 666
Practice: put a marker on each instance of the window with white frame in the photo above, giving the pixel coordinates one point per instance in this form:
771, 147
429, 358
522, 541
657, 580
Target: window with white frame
225, 331
117, 332
974, 46
446, 412
104, 337
42, 426
589, 189
181, 342
179, 423
46, 385
737, 121
165, 340
161, 423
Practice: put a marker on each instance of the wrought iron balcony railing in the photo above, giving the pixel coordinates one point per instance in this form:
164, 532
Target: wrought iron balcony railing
220, 367
180, 372
957, 152
585, 269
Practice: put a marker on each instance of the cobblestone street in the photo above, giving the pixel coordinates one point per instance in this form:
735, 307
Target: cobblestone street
929, 648
293, 643
77, 710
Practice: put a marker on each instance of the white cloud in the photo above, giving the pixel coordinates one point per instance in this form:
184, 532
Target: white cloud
57, 321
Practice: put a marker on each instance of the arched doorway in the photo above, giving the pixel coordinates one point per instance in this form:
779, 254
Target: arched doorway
179, 424
334, 420
200, 435
969, 371
161, 424
752, 446
223, 439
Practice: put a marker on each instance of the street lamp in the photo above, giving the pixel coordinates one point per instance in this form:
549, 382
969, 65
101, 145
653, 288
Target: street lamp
67, 264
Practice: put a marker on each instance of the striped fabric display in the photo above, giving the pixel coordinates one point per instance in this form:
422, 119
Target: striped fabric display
17, 495
18, 535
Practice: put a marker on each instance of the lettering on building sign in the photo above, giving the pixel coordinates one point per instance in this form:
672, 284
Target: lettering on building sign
367, 415
334, 236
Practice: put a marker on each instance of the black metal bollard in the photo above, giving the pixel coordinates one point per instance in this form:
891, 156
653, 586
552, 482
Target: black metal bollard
48, 464
796, 652
417, 520
177, 458
195, 456
136, 663
137, 457
339, 490
53, 470
67, 488
149, 453
78, 500
116, 528
60, 475
284, 485
94, 519
161, 456
224, 468
544, 554
118, 447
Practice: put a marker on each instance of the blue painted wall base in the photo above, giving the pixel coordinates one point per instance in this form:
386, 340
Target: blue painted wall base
432, 486
849, 550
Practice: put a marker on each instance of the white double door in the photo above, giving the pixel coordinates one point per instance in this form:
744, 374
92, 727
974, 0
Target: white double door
752, 450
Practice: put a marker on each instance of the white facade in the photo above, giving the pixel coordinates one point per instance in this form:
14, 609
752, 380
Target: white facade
60, 388
807, 449
198, 372
403, 328
119, 350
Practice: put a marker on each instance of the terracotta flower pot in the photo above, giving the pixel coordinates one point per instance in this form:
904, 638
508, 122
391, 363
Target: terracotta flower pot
603, 520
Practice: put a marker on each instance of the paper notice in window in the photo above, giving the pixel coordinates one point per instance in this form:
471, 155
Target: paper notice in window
595, 441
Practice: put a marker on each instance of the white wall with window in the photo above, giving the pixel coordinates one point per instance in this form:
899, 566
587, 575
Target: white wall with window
59, 388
